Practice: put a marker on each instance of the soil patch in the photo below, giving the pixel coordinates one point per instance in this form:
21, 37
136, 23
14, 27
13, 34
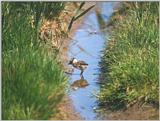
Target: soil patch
135, 112
66, 111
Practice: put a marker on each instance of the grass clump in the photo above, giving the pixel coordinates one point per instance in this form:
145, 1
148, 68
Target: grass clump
32, 79
130, 60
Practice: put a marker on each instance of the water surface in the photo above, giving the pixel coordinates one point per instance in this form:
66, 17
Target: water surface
87, 45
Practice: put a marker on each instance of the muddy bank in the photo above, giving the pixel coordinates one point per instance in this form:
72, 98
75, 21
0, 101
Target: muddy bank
135, 112
66, 110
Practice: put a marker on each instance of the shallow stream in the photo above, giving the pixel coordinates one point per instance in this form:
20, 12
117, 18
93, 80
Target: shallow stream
87, 44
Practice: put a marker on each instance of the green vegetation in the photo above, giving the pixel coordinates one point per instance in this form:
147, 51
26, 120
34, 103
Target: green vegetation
130, 62
32, 79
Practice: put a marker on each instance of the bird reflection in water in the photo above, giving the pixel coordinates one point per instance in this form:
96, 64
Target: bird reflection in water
81, 83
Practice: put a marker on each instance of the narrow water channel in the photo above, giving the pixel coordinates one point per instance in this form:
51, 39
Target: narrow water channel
87, 45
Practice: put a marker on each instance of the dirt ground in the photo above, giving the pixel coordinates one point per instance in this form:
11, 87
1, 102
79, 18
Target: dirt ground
135, 112
66, 111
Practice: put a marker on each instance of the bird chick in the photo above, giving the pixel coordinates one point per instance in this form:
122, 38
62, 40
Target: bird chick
81, 65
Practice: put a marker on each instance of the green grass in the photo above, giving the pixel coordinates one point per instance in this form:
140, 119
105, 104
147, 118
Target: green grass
33, 82
130, 61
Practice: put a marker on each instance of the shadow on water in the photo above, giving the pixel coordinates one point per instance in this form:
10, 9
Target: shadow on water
88, 42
